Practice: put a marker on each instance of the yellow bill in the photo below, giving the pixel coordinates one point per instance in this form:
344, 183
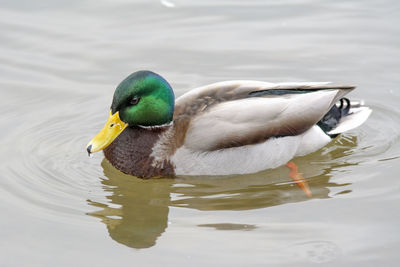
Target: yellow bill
114, 126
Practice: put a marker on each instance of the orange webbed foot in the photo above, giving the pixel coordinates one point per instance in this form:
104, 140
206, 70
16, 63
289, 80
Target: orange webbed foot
298, 178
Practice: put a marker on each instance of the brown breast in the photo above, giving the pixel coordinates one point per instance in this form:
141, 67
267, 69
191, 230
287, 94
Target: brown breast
130, 153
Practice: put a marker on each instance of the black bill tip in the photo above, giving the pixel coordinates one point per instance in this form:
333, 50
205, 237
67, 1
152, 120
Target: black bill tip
89, 150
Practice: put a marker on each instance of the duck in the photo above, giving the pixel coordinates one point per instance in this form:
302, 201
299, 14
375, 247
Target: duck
225, 128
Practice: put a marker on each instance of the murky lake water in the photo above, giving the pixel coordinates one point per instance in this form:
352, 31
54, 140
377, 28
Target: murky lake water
60, 62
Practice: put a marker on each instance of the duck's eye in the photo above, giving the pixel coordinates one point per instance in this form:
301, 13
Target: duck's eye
134, 100
112, 125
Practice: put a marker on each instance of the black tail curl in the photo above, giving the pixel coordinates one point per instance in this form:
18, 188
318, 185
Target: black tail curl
332, 118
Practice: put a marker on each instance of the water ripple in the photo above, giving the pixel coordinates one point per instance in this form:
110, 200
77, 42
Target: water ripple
48, 166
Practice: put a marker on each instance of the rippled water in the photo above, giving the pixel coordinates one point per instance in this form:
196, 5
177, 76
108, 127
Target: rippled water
60, 62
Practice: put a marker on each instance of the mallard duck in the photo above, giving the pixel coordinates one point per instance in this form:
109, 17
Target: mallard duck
232, 127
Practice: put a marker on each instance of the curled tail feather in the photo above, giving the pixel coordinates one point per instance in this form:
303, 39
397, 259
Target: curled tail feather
344, 116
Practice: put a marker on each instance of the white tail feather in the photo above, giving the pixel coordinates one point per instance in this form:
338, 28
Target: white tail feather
356, 117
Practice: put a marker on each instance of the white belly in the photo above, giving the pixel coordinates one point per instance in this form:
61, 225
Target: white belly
251, 158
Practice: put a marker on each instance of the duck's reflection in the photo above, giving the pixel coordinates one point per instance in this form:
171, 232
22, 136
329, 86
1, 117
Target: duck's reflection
137, 211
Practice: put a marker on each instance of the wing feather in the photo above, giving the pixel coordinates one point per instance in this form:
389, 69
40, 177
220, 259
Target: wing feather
225, 114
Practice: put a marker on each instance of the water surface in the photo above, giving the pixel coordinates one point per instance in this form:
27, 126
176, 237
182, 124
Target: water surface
60, 62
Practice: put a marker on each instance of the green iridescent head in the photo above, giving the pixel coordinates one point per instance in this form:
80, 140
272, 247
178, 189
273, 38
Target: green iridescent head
144, 98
